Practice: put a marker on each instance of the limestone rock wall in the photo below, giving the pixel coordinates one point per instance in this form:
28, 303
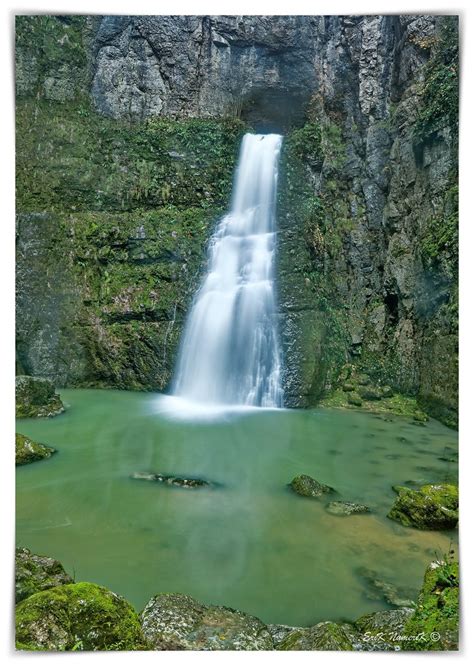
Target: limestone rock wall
112, 147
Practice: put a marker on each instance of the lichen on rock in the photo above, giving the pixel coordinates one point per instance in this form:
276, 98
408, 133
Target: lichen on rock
35, 573
35, 396
322, 636
179, 622
342, 508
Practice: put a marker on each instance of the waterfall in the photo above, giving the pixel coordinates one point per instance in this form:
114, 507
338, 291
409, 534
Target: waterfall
229, 351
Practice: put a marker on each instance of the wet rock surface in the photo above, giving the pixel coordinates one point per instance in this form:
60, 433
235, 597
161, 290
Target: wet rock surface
346, 508
36, 396
35, 573
172, 480
431, 507
179, 622
306, 486
28, 451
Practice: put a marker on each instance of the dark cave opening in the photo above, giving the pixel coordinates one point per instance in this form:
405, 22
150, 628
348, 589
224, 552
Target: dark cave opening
391, 306
274, 110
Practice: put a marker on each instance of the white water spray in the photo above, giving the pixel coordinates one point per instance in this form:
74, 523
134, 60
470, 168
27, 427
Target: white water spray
229, 352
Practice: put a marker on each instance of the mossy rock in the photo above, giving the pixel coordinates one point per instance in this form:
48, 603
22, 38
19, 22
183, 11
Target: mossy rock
308, 487
370, 393
354, 398
346, 508
381, 630
432, 507
436, 617
348, 387
323, 636
35, 573
28, 451
80, 616
179, 622
35, 396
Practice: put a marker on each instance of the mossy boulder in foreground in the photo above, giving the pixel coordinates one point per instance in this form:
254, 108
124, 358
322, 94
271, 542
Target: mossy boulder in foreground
436, 618
179, 622
80, 616
308, 487
36, 573
35, 396
432, 507
27, 450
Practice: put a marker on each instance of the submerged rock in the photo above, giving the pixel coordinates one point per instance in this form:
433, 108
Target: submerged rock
171, 480
432, 507
323, 636
380, 589
436, 617
35, 396
179, 622
308, 487
27, 450
80, 616
35, 573
346, 508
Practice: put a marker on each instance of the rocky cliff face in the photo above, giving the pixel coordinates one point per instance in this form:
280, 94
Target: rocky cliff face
124, 164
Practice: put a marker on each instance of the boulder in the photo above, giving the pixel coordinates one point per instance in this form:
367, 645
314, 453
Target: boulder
381, 630
354, 398
179, 622
370, 393
308, 487
346, 508
35, 573
432, 507
79, 616
171, 480
35, 396
323, 636
27, 450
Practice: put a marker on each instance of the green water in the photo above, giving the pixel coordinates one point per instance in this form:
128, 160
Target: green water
251, 544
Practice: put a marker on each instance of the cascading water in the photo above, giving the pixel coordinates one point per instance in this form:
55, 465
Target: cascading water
229, 352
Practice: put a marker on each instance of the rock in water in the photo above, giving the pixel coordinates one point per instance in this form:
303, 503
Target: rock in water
378, 588
35, 396
35, 573
432, 507
308, 487
80, 616
346, 508
27, 450
323, 636
179, 622
171, 480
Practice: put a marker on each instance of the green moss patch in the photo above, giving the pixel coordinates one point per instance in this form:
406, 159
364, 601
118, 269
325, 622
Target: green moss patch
80, 616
